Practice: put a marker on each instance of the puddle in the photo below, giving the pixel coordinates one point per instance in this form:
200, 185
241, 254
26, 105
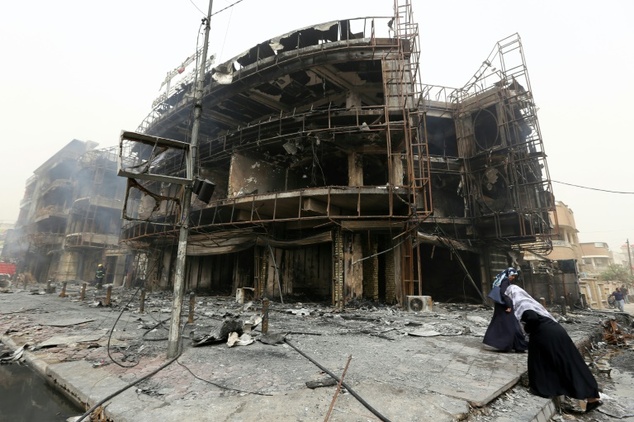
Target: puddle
26, 397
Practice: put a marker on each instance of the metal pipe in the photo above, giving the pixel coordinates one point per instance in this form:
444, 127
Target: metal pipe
334, 398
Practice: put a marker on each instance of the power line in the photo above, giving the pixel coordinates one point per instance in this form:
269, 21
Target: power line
194, 4
597, 189
223, 9
215, 13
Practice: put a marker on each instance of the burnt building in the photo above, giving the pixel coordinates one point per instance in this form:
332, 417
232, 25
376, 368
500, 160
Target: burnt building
331, 172
70, 217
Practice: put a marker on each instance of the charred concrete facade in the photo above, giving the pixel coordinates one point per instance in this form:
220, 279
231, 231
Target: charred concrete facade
70, 217
339, 176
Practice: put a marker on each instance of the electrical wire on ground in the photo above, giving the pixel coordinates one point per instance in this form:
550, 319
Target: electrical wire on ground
220, 385
121, 390
123, 309
132, 384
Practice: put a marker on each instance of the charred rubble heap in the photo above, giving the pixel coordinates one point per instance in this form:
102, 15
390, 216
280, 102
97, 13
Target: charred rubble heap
332, 173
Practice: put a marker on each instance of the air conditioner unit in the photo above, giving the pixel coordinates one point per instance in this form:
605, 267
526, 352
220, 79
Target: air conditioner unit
419, 303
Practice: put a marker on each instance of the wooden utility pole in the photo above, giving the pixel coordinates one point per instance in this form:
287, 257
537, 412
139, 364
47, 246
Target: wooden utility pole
173, 343
629, 254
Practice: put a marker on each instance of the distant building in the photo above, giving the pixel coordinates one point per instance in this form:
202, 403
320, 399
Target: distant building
556, 274
597, 257
565, 240
5, 232
70, 217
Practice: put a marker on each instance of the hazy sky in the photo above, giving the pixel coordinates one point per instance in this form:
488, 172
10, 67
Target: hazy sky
78, 69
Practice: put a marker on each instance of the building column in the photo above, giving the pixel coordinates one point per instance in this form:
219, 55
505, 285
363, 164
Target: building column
353, 266
68, 266
355, 169
370, 268
337, 269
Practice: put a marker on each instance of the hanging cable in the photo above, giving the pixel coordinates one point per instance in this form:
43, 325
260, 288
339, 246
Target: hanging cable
596, 189
215, 13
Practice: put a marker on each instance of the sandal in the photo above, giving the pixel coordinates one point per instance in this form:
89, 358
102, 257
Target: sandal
591, 405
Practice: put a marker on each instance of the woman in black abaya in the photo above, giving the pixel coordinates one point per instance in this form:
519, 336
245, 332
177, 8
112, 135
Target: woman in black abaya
504, 332
555, 366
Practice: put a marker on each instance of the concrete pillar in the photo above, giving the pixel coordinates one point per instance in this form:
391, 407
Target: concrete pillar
370, 268
393, 276
337, 269
355, 169
119, 271
353, 266
396, 178
68, 266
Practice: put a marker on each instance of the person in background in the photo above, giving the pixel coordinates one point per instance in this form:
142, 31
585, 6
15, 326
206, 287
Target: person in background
625, 292
504, 332
100, 273
618, 298
555, 365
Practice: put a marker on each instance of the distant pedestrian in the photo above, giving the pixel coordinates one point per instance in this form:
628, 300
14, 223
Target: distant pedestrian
618, 299
555, 366
504, 332
625, 292
100, 273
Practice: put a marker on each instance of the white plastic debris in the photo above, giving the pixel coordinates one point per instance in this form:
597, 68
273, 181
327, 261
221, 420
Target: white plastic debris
235, 340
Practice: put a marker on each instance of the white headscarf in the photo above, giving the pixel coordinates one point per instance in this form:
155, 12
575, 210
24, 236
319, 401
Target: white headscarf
522, 302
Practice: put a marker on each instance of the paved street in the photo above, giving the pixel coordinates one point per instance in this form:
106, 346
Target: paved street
404, 366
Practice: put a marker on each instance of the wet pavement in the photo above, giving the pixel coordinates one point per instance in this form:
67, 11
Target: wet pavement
25, 396
398, 366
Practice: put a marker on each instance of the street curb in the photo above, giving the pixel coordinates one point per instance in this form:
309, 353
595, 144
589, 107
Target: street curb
42, 368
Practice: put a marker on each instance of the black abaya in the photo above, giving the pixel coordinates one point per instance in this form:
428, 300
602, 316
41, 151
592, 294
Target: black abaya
504, 332
555, 366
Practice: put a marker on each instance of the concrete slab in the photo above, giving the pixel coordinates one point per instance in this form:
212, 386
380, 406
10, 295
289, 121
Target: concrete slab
65, 340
